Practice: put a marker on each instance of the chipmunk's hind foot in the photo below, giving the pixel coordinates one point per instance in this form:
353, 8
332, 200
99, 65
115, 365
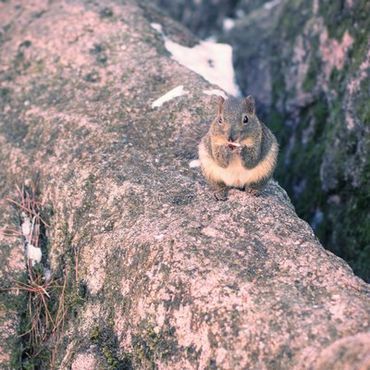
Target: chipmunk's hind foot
220, 191
220, 195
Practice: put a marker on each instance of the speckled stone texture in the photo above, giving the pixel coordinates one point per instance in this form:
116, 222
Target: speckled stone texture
175, 280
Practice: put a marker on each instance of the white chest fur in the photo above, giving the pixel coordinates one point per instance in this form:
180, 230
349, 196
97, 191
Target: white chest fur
235, 174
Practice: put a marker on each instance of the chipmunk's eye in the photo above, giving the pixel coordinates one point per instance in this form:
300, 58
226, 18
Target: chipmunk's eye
220, 120
245, 119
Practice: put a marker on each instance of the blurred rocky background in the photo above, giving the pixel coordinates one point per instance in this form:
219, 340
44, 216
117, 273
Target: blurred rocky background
307, 62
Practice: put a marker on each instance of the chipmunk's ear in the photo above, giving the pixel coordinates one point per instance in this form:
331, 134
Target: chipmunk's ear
250, 104
220, 108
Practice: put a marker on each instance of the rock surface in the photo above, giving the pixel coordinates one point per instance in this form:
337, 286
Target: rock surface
308, 64
171, 278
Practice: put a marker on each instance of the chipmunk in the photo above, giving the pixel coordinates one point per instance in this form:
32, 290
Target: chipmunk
238, 151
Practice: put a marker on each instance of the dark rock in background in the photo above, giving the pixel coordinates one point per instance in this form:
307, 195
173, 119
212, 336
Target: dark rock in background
202, 17
307, 62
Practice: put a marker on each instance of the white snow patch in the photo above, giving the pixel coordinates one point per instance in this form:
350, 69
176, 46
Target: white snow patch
211, 60
215, 92
33, 253
194, 163
174, 93
228, 24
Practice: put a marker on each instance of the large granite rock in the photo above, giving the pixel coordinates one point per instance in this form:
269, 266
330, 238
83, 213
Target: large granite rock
307, 63
167, 277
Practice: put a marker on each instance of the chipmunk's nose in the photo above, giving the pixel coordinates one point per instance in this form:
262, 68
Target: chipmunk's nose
233, 136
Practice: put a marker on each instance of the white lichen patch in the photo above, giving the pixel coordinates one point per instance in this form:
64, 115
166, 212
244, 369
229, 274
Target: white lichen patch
34, 254
26, 226
174, 93
194, 163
